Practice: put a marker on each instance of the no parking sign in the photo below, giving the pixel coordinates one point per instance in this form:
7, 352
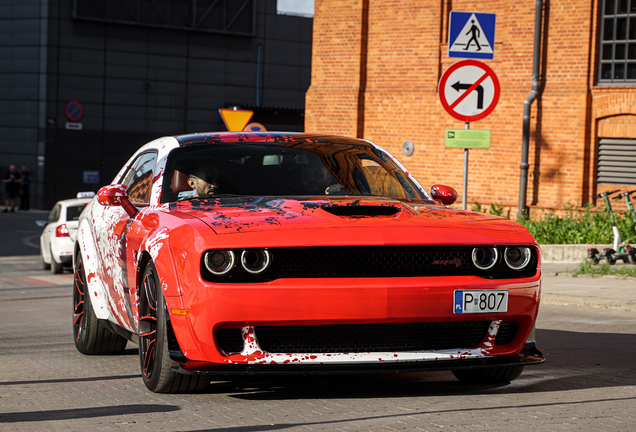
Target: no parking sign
74, 111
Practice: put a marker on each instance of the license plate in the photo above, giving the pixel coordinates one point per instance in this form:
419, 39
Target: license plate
474, 301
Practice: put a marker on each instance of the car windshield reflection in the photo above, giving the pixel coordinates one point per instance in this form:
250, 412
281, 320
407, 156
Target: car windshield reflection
303, 169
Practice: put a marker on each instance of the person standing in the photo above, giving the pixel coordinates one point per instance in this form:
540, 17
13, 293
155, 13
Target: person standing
12, 182
24, 188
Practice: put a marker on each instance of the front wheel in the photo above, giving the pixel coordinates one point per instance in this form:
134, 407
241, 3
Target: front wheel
493, 375
154, 358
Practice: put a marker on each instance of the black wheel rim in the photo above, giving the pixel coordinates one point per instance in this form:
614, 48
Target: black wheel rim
78, 299
148, 324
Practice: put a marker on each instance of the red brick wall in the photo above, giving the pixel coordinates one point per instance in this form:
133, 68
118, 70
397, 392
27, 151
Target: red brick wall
405, 57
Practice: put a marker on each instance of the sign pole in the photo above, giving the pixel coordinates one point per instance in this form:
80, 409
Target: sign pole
467, 126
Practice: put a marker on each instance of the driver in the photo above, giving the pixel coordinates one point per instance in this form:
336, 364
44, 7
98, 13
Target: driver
316, 179
205, 181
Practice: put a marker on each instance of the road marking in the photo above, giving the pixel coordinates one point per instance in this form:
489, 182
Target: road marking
35, 281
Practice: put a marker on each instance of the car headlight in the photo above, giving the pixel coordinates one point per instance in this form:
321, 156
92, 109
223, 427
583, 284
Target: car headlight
485, 258
220, 262
517, 257
256, 261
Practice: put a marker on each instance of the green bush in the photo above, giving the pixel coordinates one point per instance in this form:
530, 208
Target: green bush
573, 225
580, 226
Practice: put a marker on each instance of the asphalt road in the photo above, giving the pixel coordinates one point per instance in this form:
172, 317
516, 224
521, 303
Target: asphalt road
587, 383
19, 234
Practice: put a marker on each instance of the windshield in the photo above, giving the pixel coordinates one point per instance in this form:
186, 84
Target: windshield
284, 169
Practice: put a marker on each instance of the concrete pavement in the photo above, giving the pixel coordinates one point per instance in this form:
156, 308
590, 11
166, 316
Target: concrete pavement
559, 286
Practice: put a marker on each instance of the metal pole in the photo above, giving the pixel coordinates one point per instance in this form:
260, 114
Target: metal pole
467, 126
536, 85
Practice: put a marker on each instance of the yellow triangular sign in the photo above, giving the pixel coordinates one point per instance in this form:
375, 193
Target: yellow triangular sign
235, 120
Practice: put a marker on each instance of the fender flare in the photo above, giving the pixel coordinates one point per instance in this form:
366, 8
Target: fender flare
85, 245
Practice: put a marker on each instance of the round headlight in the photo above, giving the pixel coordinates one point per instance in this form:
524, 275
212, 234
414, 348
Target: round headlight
517, 257
220, 262
485, 258
255, 261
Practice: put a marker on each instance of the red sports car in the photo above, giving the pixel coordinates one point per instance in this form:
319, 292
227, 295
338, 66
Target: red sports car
248, 253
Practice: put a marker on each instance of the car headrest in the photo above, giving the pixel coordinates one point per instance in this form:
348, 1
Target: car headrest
179, 182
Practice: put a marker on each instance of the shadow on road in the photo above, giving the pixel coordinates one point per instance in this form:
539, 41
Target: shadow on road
574, 361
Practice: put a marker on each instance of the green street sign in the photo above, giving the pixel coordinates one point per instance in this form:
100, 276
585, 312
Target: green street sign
467, 138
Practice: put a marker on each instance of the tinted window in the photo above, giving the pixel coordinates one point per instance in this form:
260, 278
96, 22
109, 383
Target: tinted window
73, 212
285, 169
139, 178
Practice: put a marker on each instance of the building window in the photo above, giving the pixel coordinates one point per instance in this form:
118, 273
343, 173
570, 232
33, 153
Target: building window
617, 55
616, 161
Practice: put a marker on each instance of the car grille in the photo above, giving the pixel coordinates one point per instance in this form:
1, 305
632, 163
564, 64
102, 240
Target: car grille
507, 332
377, 261
359, 337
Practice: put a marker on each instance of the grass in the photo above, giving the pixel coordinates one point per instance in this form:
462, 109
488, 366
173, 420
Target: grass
604, 269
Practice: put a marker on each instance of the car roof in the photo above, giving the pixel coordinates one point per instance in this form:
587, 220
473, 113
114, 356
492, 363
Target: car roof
73, 201
267, 137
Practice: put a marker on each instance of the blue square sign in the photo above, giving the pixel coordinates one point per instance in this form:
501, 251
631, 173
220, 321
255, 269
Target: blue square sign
472, 35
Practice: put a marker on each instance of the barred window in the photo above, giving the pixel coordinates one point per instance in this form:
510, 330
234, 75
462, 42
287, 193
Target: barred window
617, 44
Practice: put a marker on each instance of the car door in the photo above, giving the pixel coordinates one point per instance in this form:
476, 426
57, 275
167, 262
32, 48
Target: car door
120, 262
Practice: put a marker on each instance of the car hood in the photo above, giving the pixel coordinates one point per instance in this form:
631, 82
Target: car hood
378, 216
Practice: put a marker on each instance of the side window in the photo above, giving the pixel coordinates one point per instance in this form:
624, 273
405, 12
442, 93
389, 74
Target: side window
139, 178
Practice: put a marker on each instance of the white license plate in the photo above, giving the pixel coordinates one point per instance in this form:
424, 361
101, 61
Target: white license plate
474, 301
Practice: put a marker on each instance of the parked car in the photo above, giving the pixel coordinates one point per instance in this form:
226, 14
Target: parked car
58, 236
248, 253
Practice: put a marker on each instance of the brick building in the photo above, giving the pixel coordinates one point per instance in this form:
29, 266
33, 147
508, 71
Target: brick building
377, 63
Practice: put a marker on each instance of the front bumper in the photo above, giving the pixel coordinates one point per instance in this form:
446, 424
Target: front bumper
313, 302
528, 356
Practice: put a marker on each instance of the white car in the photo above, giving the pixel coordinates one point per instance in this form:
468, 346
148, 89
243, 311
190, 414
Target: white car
58, 237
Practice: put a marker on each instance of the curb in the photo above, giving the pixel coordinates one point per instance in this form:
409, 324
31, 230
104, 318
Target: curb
567, 253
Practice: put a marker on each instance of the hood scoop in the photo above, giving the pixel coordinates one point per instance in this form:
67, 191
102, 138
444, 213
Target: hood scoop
354, 211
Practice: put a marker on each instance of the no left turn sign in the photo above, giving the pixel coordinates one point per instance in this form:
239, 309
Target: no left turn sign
469, 90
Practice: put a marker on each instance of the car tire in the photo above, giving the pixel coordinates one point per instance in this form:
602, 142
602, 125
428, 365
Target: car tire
45, 266
493, 375
91, 335
55, 267
154, 358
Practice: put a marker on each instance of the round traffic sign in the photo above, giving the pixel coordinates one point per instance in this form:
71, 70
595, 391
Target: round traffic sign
469, 90
254, 127
74, 111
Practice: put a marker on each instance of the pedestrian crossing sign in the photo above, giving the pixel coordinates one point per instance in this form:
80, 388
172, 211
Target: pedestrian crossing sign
472, 35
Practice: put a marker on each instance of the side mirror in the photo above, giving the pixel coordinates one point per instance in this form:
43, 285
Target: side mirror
116, 196
40, 223
444, 194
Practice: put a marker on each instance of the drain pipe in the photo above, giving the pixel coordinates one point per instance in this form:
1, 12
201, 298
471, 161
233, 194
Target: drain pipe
527, 105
